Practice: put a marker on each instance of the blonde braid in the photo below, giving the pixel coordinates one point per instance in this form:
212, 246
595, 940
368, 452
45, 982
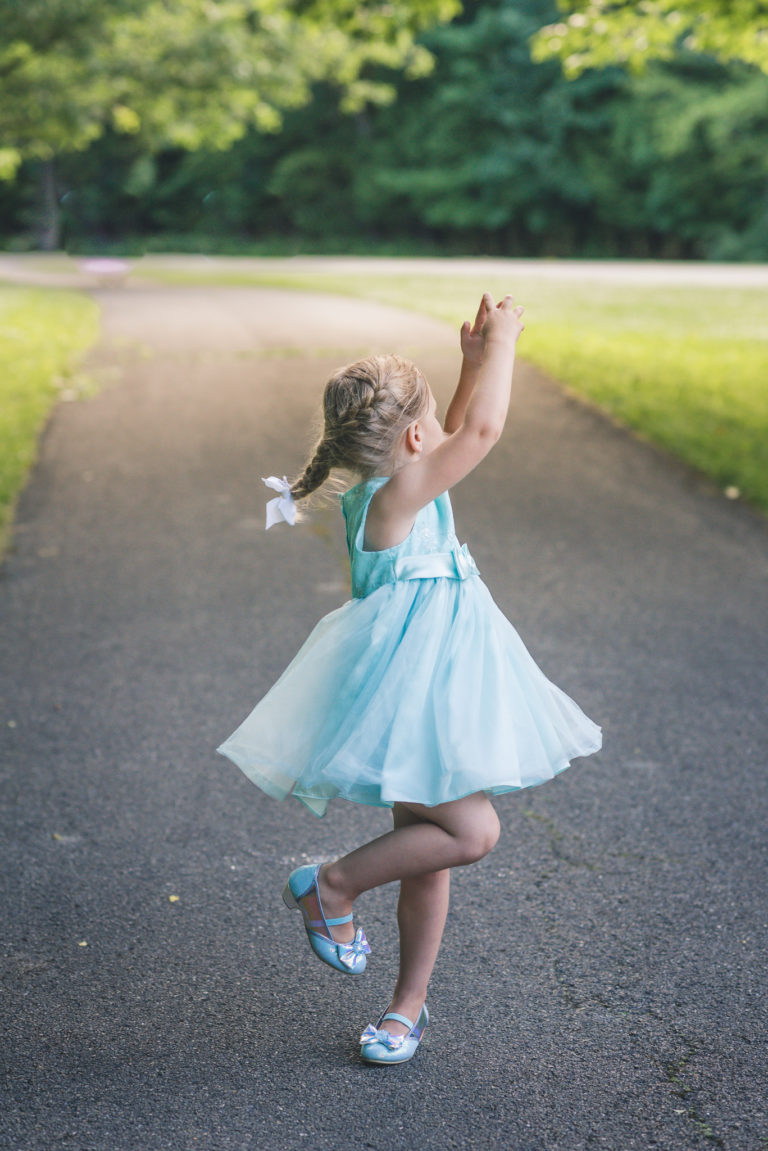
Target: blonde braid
315, 473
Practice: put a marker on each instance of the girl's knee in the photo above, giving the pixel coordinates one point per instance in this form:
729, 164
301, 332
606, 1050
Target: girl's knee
491, 832
482, 836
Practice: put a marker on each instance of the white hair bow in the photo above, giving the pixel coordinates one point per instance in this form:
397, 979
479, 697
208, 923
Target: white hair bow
282, 507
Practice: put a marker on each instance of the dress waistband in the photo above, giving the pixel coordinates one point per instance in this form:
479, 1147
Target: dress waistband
456, 564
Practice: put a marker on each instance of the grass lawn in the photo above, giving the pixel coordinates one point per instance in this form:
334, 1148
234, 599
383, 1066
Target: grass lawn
43, 333
685, 367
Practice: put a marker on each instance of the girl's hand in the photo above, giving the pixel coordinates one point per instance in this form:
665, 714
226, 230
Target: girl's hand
492, 322
503, 321
472, 335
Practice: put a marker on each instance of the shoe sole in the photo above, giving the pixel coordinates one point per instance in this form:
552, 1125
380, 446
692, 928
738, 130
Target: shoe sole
289, 899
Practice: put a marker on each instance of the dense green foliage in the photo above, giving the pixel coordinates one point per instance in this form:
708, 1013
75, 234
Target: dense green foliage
42, 335
594, 33
491, 152
193, 73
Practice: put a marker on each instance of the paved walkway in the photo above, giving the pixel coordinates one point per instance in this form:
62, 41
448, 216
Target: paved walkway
602, 982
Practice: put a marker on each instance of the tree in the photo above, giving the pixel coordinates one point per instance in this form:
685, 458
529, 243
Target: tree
595, 33
493, 156
192, 73
513, 158
510, 158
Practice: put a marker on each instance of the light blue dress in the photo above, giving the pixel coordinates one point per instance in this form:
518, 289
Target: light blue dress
418, 689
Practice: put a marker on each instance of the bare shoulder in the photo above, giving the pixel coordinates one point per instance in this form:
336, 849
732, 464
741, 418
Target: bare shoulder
388, 521
418, 484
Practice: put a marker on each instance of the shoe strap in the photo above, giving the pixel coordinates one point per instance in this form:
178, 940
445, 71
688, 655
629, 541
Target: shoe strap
326, 923
330, 922
400, 1019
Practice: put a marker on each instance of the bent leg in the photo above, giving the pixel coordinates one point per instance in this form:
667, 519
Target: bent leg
448, 835
426, 840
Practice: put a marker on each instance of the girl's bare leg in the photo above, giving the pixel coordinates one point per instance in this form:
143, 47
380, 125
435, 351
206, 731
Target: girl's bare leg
448, 835
421, 913
425, 843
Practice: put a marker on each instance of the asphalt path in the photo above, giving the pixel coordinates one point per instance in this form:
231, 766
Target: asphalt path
602, 978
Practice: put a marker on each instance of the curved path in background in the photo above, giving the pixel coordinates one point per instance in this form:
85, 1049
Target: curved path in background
63, 271
603, 974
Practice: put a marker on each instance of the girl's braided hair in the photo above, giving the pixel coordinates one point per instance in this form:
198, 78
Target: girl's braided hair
366, 408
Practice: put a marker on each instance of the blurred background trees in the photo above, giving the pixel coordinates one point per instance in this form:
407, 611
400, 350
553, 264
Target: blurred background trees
592, 33
330, 125
192, 75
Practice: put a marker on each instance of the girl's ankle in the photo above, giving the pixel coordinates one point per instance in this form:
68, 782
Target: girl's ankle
409, 1005
330, 880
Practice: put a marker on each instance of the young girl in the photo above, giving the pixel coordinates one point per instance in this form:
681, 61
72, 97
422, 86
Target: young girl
417, 694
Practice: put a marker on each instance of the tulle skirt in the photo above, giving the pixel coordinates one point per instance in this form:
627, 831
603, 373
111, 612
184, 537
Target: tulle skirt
421, 692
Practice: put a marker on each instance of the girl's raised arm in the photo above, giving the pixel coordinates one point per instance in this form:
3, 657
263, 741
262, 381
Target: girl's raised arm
424, 476
472, 358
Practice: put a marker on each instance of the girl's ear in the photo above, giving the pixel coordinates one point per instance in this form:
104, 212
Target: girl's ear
413, 438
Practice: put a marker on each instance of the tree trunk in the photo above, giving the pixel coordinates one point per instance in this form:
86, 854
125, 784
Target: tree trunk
50, 221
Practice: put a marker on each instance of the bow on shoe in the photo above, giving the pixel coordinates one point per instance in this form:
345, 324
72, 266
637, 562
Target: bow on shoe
350, 953
391, 1042
282, 507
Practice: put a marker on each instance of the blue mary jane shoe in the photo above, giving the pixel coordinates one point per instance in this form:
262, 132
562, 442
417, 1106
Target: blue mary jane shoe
378, 1046
348, 957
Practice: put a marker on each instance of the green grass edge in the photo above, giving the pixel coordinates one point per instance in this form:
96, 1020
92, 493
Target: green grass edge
44, 334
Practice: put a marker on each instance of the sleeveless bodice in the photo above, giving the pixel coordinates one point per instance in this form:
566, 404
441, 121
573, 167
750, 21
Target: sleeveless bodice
430, 551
